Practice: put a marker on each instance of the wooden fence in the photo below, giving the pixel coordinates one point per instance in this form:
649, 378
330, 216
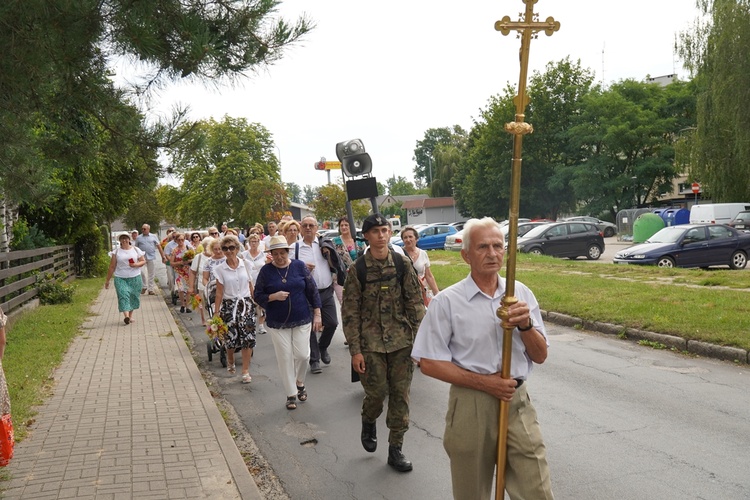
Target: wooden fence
18, 272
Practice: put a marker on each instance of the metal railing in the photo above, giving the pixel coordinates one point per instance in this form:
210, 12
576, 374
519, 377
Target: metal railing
19, 272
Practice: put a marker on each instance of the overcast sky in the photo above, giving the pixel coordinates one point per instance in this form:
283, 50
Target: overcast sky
386, 71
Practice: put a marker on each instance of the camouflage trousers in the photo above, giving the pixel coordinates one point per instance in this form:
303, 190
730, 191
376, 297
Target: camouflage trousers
388, 375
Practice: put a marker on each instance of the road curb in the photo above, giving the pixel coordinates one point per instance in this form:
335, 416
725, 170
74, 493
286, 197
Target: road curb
696, 347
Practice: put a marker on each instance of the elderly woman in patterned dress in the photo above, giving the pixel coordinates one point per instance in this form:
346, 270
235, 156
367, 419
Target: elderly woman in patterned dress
181, 268
235, 306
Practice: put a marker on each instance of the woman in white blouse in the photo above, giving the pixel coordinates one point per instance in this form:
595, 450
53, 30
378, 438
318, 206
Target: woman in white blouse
421, 262
126, 265
256, 258
235, 306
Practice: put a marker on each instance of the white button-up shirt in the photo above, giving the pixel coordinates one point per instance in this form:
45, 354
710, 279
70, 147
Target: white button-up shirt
311, 254
236, 281
461, 327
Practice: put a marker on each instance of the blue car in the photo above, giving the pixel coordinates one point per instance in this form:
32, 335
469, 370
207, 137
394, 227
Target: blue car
691, 245
432, 237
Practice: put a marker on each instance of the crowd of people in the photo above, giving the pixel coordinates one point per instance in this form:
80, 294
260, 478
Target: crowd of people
284, 279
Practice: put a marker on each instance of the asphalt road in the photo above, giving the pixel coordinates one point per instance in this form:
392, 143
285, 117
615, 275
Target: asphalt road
621, 421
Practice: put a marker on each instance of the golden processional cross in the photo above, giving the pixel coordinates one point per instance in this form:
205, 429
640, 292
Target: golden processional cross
528, 27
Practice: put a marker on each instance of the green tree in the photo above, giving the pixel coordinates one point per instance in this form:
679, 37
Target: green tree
424, 171
217, 161
266, 200
481, 177
330, 204
293, 192
627, 133
398, 186
309, 194
55, 79
715, 52
145, 208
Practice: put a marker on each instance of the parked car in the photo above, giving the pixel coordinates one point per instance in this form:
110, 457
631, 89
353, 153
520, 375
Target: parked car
564, 239
690, 245
523, 228
458, 225
454, 241
741, 222
431, 237
607, 228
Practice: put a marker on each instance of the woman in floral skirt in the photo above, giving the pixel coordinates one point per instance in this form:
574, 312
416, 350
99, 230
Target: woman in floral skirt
235, 306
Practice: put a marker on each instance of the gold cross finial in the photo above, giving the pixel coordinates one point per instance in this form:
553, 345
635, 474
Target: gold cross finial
528, 27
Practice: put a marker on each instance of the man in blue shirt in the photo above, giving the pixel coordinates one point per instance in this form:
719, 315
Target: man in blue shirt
149, 243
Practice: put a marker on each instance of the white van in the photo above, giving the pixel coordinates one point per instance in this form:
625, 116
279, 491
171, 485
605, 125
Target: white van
716, 213
396, 224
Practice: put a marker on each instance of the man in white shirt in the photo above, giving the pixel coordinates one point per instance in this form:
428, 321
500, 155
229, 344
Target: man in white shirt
460, 342
310, 252
150, 244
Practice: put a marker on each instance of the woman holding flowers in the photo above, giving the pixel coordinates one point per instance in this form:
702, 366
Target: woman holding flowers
209, 278
196, 277
125, 265
286, 290
180, 260
235, 306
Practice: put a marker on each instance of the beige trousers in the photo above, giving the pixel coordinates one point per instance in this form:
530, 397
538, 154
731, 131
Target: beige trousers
471, 429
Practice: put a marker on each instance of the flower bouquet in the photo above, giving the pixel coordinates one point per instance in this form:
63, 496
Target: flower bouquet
216, 327
188, 255
195, 302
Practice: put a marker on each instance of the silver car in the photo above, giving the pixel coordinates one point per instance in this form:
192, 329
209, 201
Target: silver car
607, 228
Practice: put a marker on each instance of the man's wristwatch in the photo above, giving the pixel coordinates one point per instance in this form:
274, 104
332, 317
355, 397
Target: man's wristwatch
526, 329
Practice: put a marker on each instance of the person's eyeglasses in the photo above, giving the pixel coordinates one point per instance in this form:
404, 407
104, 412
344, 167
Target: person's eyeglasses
308, 225
214, 234
229, 248
195, 236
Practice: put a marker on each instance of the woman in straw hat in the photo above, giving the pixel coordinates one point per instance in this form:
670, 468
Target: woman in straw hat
286, 290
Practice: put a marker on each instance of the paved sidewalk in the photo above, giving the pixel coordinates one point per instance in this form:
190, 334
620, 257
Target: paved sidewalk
130, 417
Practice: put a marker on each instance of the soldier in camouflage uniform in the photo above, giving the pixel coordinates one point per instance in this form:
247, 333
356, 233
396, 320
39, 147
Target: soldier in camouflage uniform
380, 320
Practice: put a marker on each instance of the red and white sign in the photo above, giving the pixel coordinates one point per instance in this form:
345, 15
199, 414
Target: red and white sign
696, 188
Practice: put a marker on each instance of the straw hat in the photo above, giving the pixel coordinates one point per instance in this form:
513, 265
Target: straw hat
277, 242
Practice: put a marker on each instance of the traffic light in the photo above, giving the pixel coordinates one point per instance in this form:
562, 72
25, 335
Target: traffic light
354, 160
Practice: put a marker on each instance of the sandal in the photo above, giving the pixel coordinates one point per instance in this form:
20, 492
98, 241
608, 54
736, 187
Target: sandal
301, 393
291, 403
246, 378
127, 320
231, 369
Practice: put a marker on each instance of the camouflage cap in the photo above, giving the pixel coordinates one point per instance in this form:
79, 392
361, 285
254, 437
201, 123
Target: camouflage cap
374, 220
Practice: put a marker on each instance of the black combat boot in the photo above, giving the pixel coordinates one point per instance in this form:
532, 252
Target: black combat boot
397, 460
369, 436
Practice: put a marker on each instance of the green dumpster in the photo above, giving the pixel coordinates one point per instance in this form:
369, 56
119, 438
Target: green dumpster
645, 226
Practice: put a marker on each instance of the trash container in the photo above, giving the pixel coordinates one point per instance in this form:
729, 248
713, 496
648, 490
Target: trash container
676, 216
645, 226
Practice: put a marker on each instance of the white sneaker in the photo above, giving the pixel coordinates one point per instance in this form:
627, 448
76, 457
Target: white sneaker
262, 329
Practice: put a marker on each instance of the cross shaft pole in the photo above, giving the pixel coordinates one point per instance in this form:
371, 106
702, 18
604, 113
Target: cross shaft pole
527, 28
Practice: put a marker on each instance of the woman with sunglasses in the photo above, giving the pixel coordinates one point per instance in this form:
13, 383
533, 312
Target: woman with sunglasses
195, 242
181, 269
235, 306
288, 293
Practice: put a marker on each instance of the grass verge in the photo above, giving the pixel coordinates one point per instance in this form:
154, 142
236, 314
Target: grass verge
708, 305
37, 342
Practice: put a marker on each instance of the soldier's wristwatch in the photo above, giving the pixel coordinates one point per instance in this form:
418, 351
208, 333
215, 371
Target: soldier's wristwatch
526, 329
